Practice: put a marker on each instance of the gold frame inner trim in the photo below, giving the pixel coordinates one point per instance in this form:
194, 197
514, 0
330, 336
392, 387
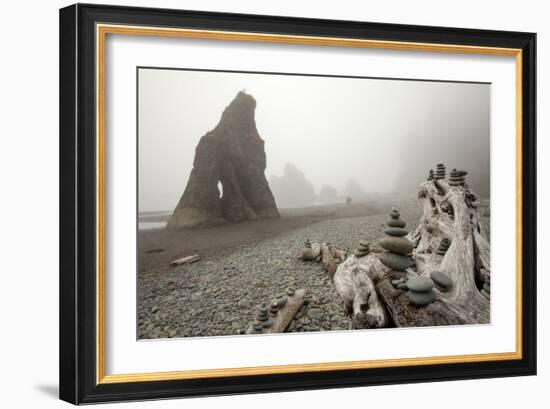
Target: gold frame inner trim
102, 30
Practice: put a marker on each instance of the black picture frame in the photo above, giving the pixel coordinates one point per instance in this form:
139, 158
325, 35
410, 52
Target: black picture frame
78, 359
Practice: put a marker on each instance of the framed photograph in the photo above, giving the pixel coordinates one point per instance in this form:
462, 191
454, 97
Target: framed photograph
257, 203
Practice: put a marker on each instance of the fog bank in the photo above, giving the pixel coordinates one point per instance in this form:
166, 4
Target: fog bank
325, 138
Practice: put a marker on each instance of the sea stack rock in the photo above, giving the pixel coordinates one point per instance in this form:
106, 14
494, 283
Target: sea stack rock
431, 175
457, 177
420, 291
362, 249
441, 280
440, 171
444, 245
396, 245
233, 155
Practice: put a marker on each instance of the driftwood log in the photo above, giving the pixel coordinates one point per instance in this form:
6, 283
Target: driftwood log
451, 212
329, 256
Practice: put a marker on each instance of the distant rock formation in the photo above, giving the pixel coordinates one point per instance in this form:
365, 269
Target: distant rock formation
292, 189
233, 155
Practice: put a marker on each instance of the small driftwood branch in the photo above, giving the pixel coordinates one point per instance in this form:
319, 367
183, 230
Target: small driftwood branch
186, 260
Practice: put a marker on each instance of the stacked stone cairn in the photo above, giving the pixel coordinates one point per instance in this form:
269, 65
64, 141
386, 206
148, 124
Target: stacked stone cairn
420, 291
398, 248
444, 245
273, 309
431, 175
441, 280
307, 244
458, 177
362, 249
262, 319
440, 171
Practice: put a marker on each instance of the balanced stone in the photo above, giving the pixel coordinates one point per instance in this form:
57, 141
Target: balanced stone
394, 214
421, 299
261, 313
274, 308
281, 300
395, 282
307, 244
290, 291
395, 244
402, 286
396, 223
362, 249
441, 280
257, 327
457, 177
440, 171
420, 284
395, 261
399, 245
431, 175
396, 231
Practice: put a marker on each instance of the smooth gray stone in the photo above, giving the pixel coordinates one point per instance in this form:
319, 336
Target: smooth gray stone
396, 231
363, 243
395, 282
396, 262
421, 299
420, 284
397, 245
281, 301
441, 279
360, 253
396, 223
402, 286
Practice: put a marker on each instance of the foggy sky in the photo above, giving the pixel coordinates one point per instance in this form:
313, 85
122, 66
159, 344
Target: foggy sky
386, 134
